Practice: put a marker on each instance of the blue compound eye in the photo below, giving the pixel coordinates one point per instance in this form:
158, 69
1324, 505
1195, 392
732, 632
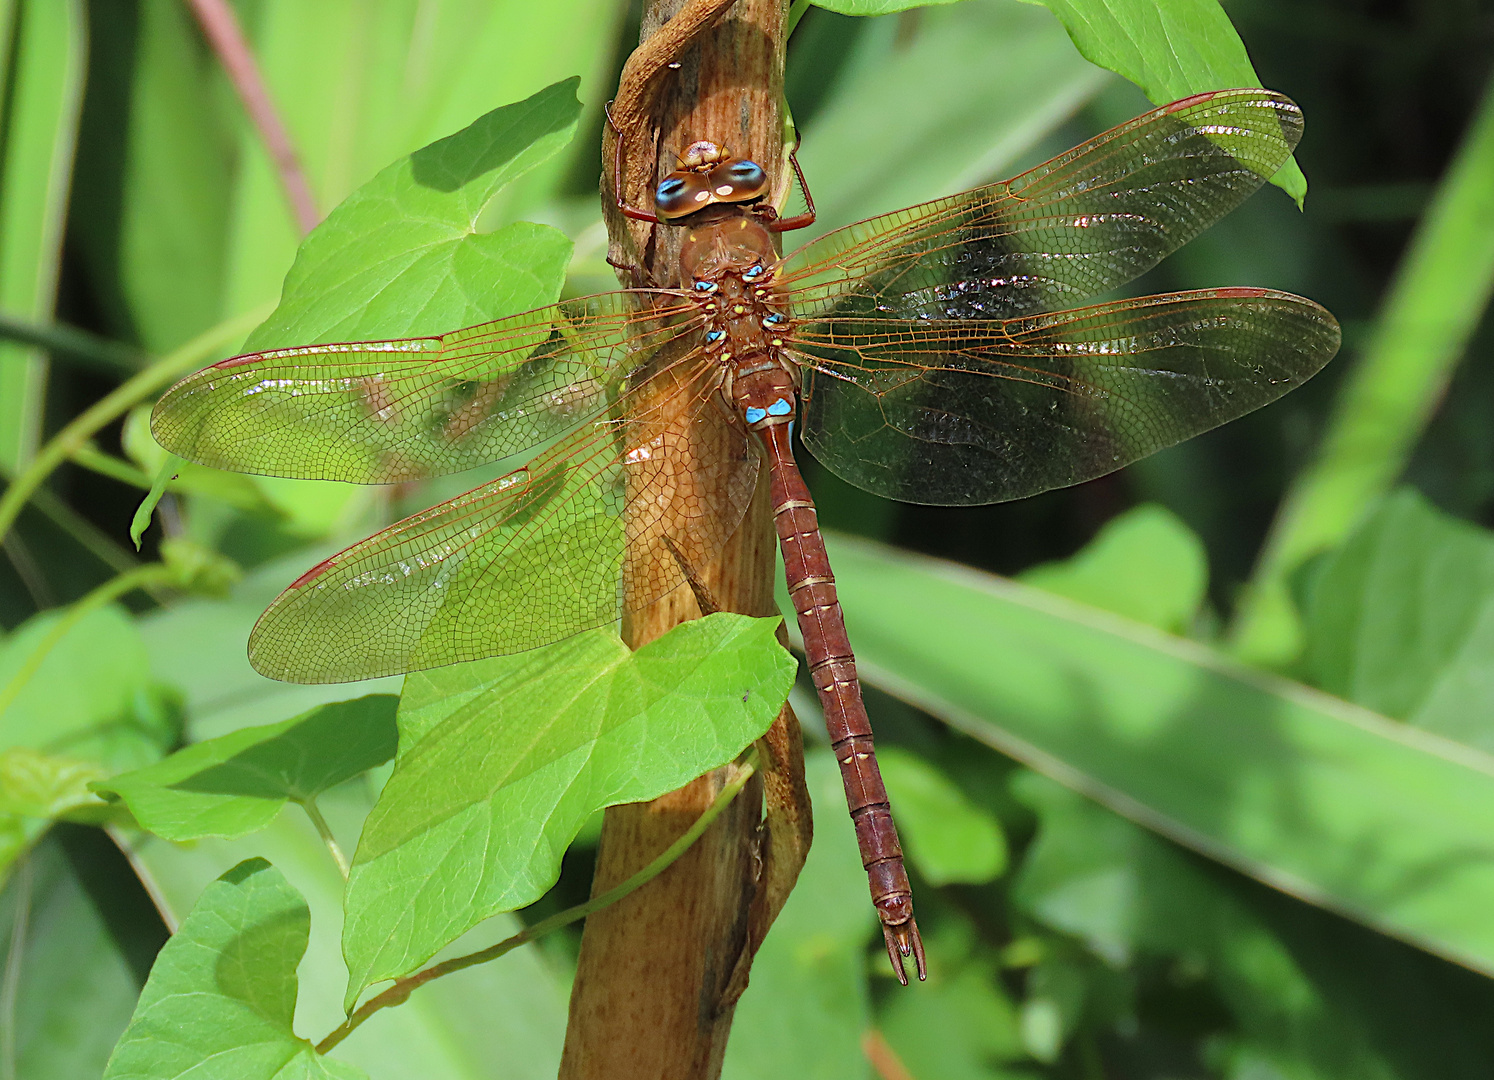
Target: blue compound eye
670, 188
746, 173
713, 336
704, 286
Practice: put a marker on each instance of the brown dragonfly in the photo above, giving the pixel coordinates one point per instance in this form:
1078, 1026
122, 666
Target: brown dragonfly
932, 355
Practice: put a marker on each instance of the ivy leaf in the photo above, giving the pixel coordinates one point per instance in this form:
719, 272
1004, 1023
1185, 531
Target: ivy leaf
505, 759
37, 789
222, 993
235, 784
407, 253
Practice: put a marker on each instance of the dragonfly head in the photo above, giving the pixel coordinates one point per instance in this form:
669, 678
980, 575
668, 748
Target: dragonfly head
708, 176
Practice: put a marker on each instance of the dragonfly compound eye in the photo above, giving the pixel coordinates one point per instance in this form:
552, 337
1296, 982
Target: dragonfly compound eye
738, 181
681, 193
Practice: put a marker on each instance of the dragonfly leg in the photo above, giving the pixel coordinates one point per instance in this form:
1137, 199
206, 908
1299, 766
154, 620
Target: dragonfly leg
617, 174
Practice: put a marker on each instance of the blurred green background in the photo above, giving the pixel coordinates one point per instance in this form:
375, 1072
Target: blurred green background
1146, 861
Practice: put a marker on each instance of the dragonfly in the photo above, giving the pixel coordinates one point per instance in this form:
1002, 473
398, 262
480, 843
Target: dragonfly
932, 355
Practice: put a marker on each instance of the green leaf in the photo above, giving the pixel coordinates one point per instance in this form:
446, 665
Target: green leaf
222, 993
74, 982
360, 85
505, 759
236, 784
807, 1004
41, 98
1146, 565
91, 698
1170, 48
951, 134
1401, 620
1315, 796
948, 838
448, 1030
404, 254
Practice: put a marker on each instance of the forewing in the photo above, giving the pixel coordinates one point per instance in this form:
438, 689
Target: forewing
1087, 221
565, 544
389, 411
962, 413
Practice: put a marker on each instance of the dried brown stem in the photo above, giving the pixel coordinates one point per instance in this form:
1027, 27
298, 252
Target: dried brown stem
659, 973
221, 28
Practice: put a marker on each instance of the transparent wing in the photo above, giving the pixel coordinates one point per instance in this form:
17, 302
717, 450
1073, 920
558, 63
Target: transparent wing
1087, 221
962, 413
565, 544
388, 411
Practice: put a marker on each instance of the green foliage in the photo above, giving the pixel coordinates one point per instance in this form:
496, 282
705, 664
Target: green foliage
506, 759
224, 988
406, 253
1170, 48
1311, 794
1234, 876
235, 784
1145, 564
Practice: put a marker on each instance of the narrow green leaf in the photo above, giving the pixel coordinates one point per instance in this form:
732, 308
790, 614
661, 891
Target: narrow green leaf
43, 96
1440, 291
1334, 804
505, 759
807, 1004
1146, 565
236, 784
404, 254
948, 838
1170, 48
140, 522
1401, 620
222, 993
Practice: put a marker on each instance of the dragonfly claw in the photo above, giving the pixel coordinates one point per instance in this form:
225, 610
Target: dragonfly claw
903, 940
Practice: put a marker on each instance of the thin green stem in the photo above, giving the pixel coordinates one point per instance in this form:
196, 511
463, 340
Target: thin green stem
796, 12
108, 592
95, 460
69, 343
325, 832
125, 397
402, 988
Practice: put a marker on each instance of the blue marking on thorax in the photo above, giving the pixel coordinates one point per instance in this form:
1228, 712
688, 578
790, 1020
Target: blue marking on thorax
755, 415
781, 407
